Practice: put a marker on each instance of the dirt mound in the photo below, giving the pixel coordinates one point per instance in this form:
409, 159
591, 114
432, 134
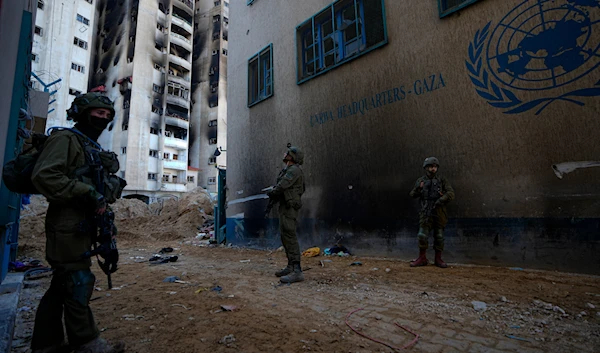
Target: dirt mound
32, 236
130, 208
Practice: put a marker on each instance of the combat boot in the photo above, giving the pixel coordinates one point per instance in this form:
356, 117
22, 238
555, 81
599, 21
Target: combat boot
295, 276
285, 271
100, 345
438, 260
421, 260
60, 348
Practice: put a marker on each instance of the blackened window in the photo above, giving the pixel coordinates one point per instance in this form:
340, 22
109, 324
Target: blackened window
260, 76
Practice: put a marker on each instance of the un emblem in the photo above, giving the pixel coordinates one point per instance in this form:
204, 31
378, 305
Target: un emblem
538, 46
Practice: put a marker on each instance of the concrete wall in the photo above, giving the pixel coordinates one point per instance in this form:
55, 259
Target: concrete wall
496, 91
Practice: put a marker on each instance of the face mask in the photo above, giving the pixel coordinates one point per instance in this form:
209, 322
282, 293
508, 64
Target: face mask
98, 123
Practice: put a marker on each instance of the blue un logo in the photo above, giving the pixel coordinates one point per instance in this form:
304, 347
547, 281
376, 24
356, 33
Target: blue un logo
537, 46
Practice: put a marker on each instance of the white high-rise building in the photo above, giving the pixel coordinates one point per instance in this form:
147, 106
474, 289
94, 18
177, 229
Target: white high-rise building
61, 52
143, 58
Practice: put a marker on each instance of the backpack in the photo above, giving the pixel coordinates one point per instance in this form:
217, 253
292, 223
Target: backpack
16, 174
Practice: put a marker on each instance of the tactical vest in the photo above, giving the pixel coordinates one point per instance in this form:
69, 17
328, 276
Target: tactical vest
432, 191
292, 195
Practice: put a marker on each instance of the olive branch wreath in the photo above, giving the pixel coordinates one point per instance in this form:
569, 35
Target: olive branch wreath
503, 98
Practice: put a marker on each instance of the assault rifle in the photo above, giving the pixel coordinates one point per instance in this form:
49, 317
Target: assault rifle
272, 201
104, 243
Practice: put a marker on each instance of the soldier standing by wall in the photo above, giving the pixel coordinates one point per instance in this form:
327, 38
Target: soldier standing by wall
435, 192
288, 192
70, 230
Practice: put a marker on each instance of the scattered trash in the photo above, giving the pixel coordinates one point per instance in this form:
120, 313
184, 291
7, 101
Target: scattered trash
182, 282
201, 290
280, 249
313, 331
375, 269
357, 263
337, 250
217, 289
165, 250
591, 306
171, 279
231, 296
157, 259
244, 260
171, 293
152, 327
425, 293
479, 306
516, 268
518, 338
98, 289
227, 339
228, 307
311, 252
181, 305
556, 308
322, 264
387, 270
503, 299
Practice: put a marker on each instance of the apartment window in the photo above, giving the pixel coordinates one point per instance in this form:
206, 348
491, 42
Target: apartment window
212, 181
447, 7
154, 131
123, 150
190, 178
126, 104
160, 27
80, 43
40, 4
169, 133
212, 123
177, 90
152, 176
226, 20
175, 157
124, 127
166, 155
165, 178
260, 76
224, 51
77, 68
215, 52
216, 18
157, 88
83, 20
249, 2
90, 1
74, 92
39, 31
212, 141
217, 3
153, 153
341, 32
156, 110
158, 67
212, 160
226, 4
35, 58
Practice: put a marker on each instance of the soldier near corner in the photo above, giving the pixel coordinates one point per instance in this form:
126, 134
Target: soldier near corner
435, 192
288, 192
62, 175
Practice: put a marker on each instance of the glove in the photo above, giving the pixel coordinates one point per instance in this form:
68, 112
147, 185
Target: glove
270, 194
111, 258
97, 201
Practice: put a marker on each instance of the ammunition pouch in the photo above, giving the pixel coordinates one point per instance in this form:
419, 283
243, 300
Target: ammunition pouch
109, 160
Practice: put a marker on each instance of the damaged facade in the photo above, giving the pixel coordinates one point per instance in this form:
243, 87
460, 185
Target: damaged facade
499, 91
143, 60
209, 91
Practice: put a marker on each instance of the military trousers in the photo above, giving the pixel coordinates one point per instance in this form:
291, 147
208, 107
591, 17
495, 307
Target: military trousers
438, 238
68, 296
287, 228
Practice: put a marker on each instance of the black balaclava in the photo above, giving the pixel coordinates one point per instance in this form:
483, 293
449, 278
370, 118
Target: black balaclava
91, 126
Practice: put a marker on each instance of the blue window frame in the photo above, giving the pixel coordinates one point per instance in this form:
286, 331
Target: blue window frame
447, 7
249, 2
339, 33
260, 76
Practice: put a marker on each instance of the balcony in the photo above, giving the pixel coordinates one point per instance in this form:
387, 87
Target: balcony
188, 3
176, 143
174, 164
181, 40
177, 121
180, 101
180, 80
173, 187
182, 23
180, 61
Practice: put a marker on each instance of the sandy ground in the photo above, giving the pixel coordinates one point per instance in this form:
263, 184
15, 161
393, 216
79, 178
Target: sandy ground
526, 310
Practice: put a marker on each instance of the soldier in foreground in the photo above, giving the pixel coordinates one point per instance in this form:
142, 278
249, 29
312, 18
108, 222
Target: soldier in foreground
64, 174
288, 193
435, 192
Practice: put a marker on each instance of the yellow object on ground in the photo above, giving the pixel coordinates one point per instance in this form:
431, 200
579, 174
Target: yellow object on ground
312, 252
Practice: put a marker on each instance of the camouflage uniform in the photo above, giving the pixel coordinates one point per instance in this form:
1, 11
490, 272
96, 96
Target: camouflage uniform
288, 192
69, 230
434, 195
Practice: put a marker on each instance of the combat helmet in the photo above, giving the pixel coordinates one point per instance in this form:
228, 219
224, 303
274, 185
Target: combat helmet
296, 154
88, 101
431, 160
